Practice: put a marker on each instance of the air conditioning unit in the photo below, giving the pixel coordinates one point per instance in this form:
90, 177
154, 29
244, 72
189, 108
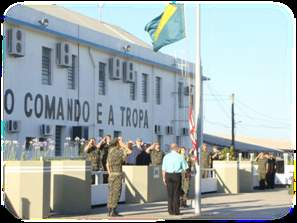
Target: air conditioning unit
13, 126
63, 54
157, 129
114, 68
128, 74
169, 130
185, 131
16, 42
46, 130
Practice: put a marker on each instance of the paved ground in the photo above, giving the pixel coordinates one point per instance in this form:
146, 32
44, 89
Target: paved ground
268, 204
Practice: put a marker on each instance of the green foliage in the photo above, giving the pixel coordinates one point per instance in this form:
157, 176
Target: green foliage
230, 151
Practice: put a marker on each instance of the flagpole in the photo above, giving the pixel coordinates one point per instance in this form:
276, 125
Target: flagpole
198, 113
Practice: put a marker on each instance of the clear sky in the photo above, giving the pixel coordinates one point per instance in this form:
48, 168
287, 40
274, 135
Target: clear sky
246, 49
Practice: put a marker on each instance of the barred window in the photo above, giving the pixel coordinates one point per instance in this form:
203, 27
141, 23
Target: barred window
144, 87
101, 133
133, 88
46, 66
158, 90
71, 73
102, 74
180, 94
192, 96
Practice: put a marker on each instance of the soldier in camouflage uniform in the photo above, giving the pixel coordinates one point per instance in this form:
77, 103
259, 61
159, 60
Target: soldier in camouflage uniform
156, 154
93, 154
186, 176
117, 155
262, 169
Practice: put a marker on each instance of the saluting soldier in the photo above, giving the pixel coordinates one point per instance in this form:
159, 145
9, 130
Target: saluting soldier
117, 155
186, 177
262, 169
156, 154
93, 154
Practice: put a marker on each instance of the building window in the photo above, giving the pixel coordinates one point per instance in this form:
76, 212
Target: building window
133, 89
180, 94
192, 96
58, 140
28, 144
46, 66
102, 77
178, 140
160, 140
158, 90
144, 87
117, 134
71, 73
101, 133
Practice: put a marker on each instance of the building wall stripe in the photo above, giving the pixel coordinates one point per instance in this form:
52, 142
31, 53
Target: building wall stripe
95, 45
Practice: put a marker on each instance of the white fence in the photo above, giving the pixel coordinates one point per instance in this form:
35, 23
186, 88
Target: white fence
99, 189
209, 184
280, 178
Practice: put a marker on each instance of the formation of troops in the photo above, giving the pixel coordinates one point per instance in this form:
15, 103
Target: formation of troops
266, 170
110, 154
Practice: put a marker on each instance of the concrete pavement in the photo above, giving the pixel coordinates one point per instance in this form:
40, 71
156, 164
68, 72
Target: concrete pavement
267, 204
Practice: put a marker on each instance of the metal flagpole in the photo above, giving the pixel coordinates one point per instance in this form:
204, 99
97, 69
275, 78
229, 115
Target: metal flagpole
198, 115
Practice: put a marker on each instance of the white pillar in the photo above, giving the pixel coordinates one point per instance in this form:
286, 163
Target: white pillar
228, 156
252, 155
285, 159
239, 156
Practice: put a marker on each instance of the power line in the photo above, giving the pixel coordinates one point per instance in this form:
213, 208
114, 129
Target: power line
263, 126
259, 113
219, 102
217, 123
246, 115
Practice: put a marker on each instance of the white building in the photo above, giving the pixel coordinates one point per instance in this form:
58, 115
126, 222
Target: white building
66, 74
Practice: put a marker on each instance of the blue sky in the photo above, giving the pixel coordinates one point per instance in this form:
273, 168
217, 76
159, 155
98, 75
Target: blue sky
245, 50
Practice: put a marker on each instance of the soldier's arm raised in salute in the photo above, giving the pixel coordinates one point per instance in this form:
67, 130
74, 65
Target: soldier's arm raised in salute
124, 147
150, 148
88, 146
103, 140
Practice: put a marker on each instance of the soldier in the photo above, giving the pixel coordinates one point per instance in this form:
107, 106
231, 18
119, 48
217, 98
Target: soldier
262, 169
204, 160
93, 154
156, 154
117, 155
104, 146
186, 177
270, 176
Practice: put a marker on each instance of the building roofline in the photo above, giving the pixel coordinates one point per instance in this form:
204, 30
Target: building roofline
93, 44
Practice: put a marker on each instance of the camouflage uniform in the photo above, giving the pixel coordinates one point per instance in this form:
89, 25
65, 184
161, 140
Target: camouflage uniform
185, 185
204, 163
156, 157
115, 159
262, 171
94, 157
103, 155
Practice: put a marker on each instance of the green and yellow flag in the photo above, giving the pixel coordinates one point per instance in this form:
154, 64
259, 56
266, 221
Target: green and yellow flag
168, 27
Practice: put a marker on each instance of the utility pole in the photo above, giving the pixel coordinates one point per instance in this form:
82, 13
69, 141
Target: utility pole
233, 122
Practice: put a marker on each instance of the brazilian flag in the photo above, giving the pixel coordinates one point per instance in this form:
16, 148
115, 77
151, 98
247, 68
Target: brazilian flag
168, 27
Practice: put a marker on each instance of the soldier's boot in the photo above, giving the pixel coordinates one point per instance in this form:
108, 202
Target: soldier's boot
117, 213
109, 212
185, 204
114, 213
